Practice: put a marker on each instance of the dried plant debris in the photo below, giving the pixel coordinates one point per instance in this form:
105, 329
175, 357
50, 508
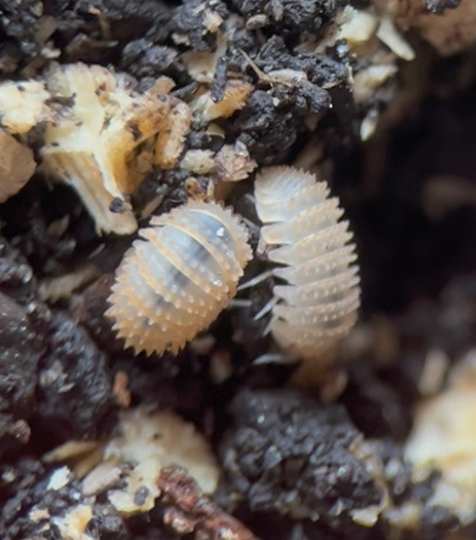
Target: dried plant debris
305, 76
93, 150
187, 510
449, 25
196, 23
373, 45
354, 52
289, 454
235, 94
233, 163
197, 161
55, 288
103, 136
40, 503
127, 466
443, 438
155, 441
25, 104
171, 139
201, 66
73, 524
108, 134
17, 165
365, 31
407, 512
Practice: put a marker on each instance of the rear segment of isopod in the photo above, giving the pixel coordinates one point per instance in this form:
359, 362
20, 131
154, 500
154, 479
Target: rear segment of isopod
314, 256
178, 276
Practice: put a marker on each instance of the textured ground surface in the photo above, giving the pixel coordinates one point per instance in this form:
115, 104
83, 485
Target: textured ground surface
293, 468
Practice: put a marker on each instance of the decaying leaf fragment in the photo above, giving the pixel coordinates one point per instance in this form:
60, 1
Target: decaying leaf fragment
375, 44
171, 139
154, 441
198, 161
444, 438
188, 510
450, 31
55, 288
23, 105
146, 443
17, 165
368, 80
234, 99
233, 163
92, 150
201, 65
73, 524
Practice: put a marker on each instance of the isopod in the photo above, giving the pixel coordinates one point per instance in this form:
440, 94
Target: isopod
178, 276
312, 252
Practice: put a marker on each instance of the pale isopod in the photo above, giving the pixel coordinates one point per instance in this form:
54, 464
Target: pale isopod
176, 279
313, 254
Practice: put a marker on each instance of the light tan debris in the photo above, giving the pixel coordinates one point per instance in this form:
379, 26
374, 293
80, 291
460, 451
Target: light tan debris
357, 26
153, 441
433, 372
148, 442
388, 34
195, 190
221, 366
236, 94
23, 105
56, 288
73, 525
198, 161
120, 390
60, 478
101, 478
68, 450
171, 139
38, 514
376, 45
201, 65
92, 151
444, 438
366, 81
450, 32
233, 163
17, 165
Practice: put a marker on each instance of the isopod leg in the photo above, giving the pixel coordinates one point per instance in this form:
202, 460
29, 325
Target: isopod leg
256, 280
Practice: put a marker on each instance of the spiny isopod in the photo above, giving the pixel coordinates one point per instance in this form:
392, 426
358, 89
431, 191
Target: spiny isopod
176, 279
313, 254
